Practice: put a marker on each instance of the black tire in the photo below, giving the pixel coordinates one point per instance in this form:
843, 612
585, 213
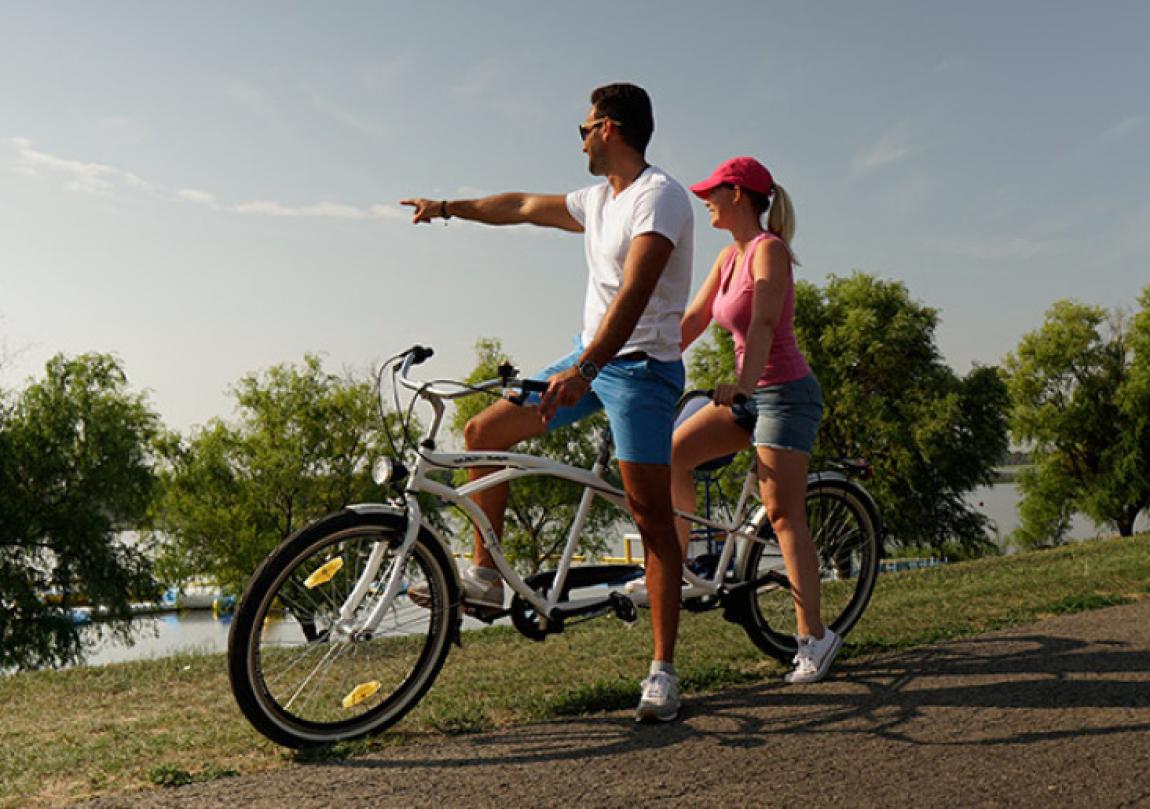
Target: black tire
289, 670
846, 537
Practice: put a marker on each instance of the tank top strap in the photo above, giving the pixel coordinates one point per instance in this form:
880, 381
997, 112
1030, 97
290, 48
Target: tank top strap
768, 235
727, 273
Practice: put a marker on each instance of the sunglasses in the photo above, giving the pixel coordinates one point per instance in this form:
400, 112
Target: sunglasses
587, 129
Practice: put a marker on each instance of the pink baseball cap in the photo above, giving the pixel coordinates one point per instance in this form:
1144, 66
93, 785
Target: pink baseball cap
745, 172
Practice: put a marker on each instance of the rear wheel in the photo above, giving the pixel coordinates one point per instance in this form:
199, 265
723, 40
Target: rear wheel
298, 675
847, 543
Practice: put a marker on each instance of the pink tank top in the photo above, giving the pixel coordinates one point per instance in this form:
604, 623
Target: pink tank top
731, 309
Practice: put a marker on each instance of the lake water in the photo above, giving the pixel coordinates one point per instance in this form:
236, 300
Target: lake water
187, 631
163, 635
1000, 503
197, 631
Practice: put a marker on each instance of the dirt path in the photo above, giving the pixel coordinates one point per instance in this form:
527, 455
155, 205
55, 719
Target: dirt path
1052, 714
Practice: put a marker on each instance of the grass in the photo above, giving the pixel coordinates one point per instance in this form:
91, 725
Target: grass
72, 734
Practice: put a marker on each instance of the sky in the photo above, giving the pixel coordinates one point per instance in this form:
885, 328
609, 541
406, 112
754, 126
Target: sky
208, 189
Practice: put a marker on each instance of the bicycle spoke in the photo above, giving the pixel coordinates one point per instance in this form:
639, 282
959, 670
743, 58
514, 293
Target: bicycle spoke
329, 658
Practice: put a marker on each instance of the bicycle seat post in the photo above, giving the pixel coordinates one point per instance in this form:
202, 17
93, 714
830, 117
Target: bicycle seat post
606, 440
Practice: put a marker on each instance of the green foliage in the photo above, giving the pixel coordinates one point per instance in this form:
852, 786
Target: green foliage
540, 509
1081, 390
76, 472
169, 775
302, 447
931, 435
713, 360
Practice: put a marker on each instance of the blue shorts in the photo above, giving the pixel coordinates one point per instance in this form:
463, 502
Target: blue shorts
786, 416
639, 397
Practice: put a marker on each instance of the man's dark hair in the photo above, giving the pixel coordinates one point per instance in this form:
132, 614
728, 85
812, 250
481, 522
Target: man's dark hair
630, 107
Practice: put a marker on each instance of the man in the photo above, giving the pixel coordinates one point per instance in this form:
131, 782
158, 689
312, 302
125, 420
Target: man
638, 241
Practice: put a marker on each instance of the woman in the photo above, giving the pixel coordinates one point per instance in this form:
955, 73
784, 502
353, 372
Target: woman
750, 292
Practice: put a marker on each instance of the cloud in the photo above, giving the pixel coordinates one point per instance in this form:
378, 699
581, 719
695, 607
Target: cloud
380, 211
329, 210
385, 75
199, 197
345, 116
96, 178
1123, 129
482, 80
89, 178
893, 147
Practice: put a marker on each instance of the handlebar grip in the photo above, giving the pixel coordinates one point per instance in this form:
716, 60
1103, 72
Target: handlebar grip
420, 354
527, 386
740, 398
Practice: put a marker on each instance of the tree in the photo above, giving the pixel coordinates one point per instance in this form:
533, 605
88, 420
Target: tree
76, 474
1134, 398
302, 447
931, 435
540, 509
1081, 401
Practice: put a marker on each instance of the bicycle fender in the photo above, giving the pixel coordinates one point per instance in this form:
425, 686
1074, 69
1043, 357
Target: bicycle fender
857, 489
759, 518
860, 491
391, 510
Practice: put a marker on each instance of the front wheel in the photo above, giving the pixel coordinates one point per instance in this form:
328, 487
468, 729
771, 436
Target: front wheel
847, 543
302, 676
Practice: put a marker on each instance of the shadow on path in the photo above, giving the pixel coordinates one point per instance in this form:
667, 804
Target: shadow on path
901, 698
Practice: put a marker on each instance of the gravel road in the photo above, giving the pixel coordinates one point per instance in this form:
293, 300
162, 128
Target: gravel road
1052, 714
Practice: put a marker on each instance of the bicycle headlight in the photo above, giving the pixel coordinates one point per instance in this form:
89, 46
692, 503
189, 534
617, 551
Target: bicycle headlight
383, 472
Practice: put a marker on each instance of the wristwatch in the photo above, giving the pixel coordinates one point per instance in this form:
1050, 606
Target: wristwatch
588, 370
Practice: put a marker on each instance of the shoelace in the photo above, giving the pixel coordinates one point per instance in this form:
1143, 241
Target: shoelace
805, 658
656, 687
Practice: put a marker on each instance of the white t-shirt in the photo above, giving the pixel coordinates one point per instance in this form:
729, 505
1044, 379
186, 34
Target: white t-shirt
654, 203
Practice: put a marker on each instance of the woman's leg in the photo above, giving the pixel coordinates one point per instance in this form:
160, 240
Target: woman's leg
783, 485
710, 433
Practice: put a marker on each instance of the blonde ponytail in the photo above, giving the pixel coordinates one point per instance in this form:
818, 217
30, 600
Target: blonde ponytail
781, 218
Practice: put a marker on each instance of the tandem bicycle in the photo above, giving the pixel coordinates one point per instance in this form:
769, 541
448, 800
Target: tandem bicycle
327, 643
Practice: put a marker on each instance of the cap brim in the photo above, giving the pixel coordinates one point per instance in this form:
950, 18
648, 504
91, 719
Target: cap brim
702, 189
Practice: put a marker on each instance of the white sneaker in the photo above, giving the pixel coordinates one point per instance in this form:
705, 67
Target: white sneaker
814, 657
482, 587
636, 590
660, 700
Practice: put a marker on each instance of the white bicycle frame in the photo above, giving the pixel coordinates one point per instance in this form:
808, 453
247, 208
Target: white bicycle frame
516, 466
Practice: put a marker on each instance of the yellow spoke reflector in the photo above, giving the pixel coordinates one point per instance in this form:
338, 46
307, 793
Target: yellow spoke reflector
324, 574
360, 693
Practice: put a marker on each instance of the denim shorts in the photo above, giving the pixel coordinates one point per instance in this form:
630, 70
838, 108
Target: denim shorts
639, 396
786, 416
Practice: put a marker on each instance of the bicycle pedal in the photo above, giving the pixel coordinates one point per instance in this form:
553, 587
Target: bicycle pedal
487, 615
624, 608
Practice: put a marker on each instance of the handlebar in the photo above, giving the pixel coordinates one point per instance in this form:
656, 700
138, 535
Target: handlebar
508, 378
740, 398
420, 354
417, 355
